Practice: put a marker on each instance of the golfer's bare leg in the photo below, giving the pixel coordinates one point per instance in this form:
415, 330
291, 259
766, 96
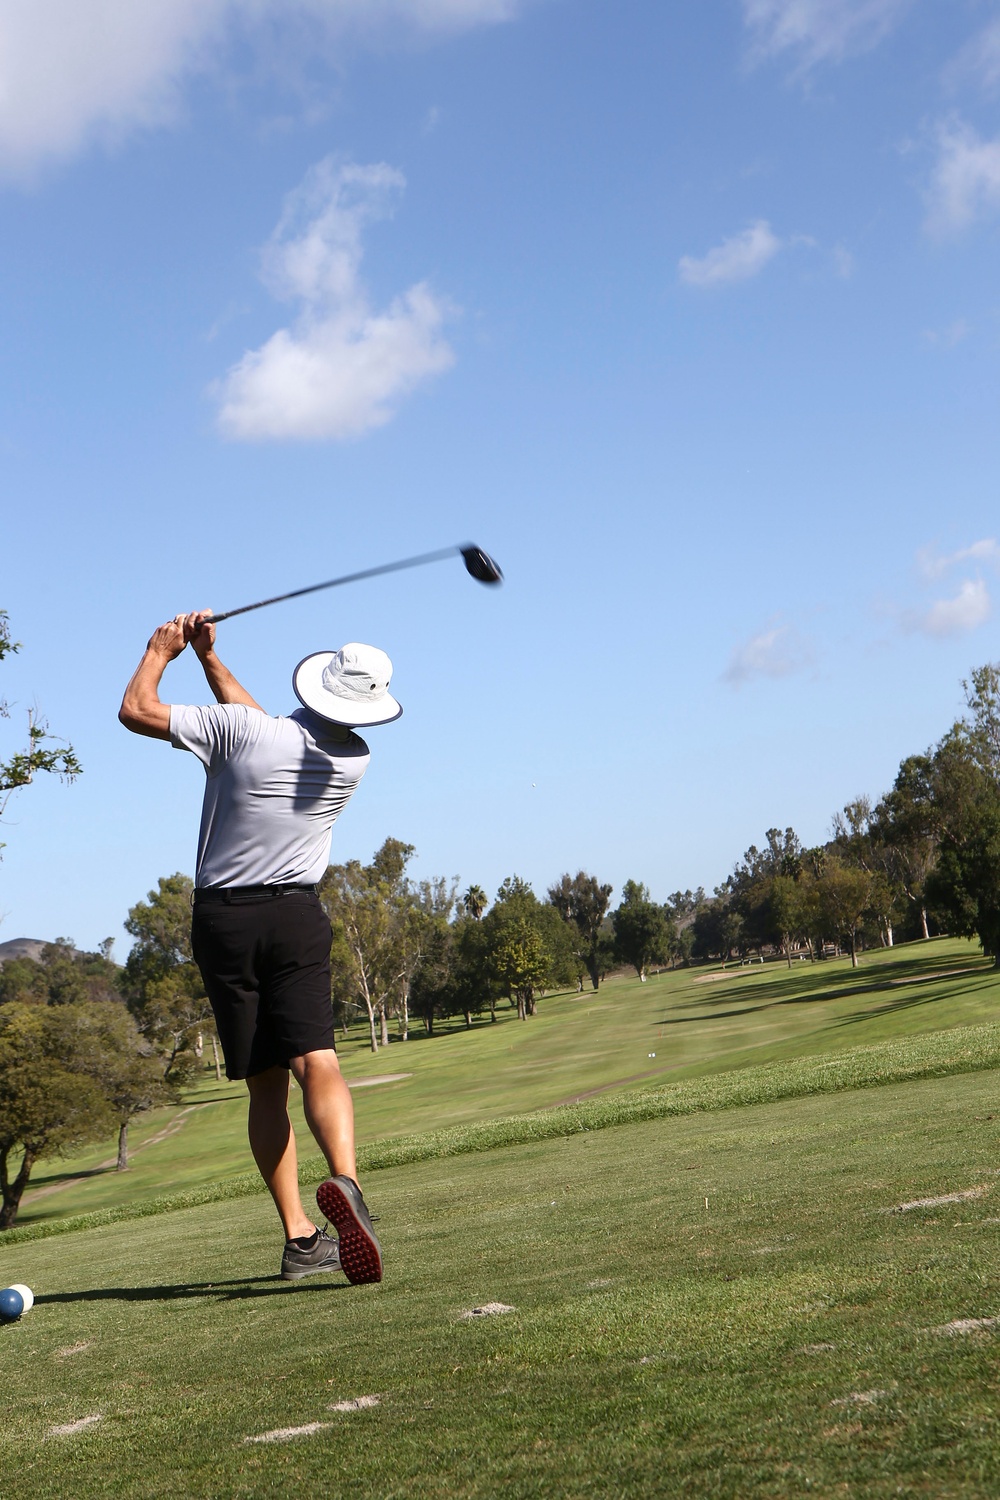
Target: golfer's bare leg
272, 1142
329, 1109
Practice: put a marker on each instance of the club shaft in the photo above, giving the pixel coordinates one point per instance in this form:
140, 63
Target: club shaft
332, 583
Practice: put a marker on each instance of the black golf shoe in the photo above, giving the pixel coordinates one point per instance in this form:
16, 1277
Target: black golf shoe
340, 1199
324, 1255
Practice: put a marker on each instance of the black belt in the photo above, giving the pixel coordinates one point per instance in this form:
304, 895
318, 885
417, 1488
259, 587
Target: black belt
231, 893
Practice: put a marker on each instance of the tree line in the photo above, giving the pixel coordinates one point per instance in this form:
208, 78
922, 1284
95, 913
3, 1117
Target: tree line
922, 858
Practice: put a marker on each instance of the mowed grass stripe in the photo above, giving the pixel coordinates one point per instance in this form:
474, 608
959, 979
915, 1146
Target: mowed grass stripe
967, 1049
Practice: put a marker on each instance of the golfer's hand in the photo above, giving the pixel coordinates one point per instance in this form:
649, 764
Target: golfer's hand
168, 640
200, 635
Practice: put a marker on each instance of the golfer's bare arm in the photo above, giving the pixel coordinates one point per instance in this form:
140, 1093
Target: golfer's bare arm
141, 710
220, 679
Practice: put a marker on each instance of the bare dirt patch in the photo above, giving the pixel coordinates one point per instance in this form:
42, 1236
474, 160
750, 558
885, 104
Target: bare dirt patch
860, 1398
356, 1403
72, 1349
958, 1326
489, 1310
942, 1200
67, 1429
286, 1434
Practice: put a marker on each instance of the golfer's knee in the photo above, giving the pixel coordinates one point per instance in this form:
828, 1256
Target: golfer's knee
315, 1067
270, 1085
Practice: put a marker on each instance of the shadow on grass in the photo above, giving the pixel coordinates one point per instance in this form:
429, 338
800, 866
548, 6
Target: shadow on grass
816, 989
221, 1291
51, 1178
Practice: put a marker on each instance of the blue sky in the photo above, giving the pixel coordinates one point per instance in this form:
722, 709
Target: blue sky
689, 314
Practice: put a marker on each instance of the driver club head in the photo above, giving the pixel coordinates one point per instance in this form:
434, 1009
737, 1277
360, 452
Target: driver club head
481, 566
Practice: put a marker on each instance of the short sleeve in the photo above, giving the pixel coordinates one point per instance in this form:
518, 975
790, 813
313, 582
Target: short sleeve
212, 733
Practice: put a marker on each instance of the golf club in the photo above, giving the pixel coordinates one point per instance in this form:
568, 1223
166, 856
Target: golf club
477, 562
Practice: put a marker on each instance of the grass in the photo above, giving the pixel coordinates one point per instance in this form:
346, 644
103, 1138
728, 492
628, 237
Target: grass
717, 1304
697, 1026
963, 1049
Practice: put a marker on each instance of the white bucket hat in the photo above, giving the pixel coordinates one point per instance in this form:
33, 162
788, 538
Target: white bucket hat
349, 686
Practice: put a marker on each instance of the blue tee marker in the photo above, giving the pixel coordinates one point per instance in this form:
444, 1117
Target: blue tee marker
11, 1305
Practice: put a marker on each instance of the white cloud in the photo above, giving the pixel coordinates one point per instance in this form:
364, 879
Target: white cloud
843, 262
75, 70
965, 181
736, 259
819, 30
980, 58
776, 651
933, 563
338, 371
948, 337
966, 610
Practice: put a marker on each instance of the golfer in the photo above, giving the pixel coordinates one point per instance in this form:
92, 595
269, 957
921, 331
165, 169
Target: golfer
274, 788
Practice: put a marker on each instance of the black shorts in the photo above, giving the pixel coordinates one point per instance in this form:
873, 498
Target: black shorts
265, 962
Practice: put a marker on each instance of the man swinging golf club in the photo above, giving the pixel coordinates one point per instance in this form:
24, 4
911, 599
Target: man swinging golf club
274, 789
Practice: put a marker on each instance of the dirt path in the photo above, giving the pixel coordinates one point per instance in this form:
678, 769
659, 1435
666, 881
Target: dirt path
618, 1084
34, 1195
367, 1083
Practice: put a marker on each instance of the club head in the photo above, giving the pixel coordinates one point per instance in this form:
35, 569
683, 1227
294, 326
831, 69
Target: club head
480, 565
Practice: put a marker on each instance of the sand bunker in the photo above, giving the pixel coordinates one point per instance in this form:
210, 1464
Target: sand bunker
727, 974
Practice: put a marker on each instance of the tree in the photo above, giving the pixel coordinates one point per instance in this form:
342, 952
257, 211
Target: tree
682, 908
860, 839
125, 1068
766, 908
787, 911
48, 1102
907, 824
381, 922
845, 894
431, 989
161, 983
527, 947
519, 960
583, 904
642, 929
475, 901
964, 780
41, 754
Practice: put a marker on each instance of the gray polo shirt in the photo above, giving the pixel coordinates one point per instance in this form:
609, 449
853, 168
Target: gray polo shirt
274, 790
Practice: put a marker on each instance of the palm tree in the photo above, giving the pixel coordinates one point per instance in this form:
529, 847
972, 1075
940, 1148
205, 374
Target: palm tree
475, 901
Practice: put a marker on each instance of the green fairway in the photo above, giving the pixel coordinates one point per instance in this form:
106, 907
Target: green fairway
717, 1305
695, 1022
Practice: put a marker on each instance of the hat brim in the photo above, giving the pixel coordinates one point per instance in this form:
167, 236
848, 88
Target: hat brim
307, 684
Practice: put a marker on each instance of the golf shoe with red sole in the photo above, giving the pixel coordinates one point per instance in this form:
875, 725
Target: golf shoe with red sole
340, 1199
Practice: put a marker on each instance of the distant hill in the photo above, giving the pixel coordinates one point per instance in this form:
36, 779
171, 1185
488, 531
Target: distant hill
21, 948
